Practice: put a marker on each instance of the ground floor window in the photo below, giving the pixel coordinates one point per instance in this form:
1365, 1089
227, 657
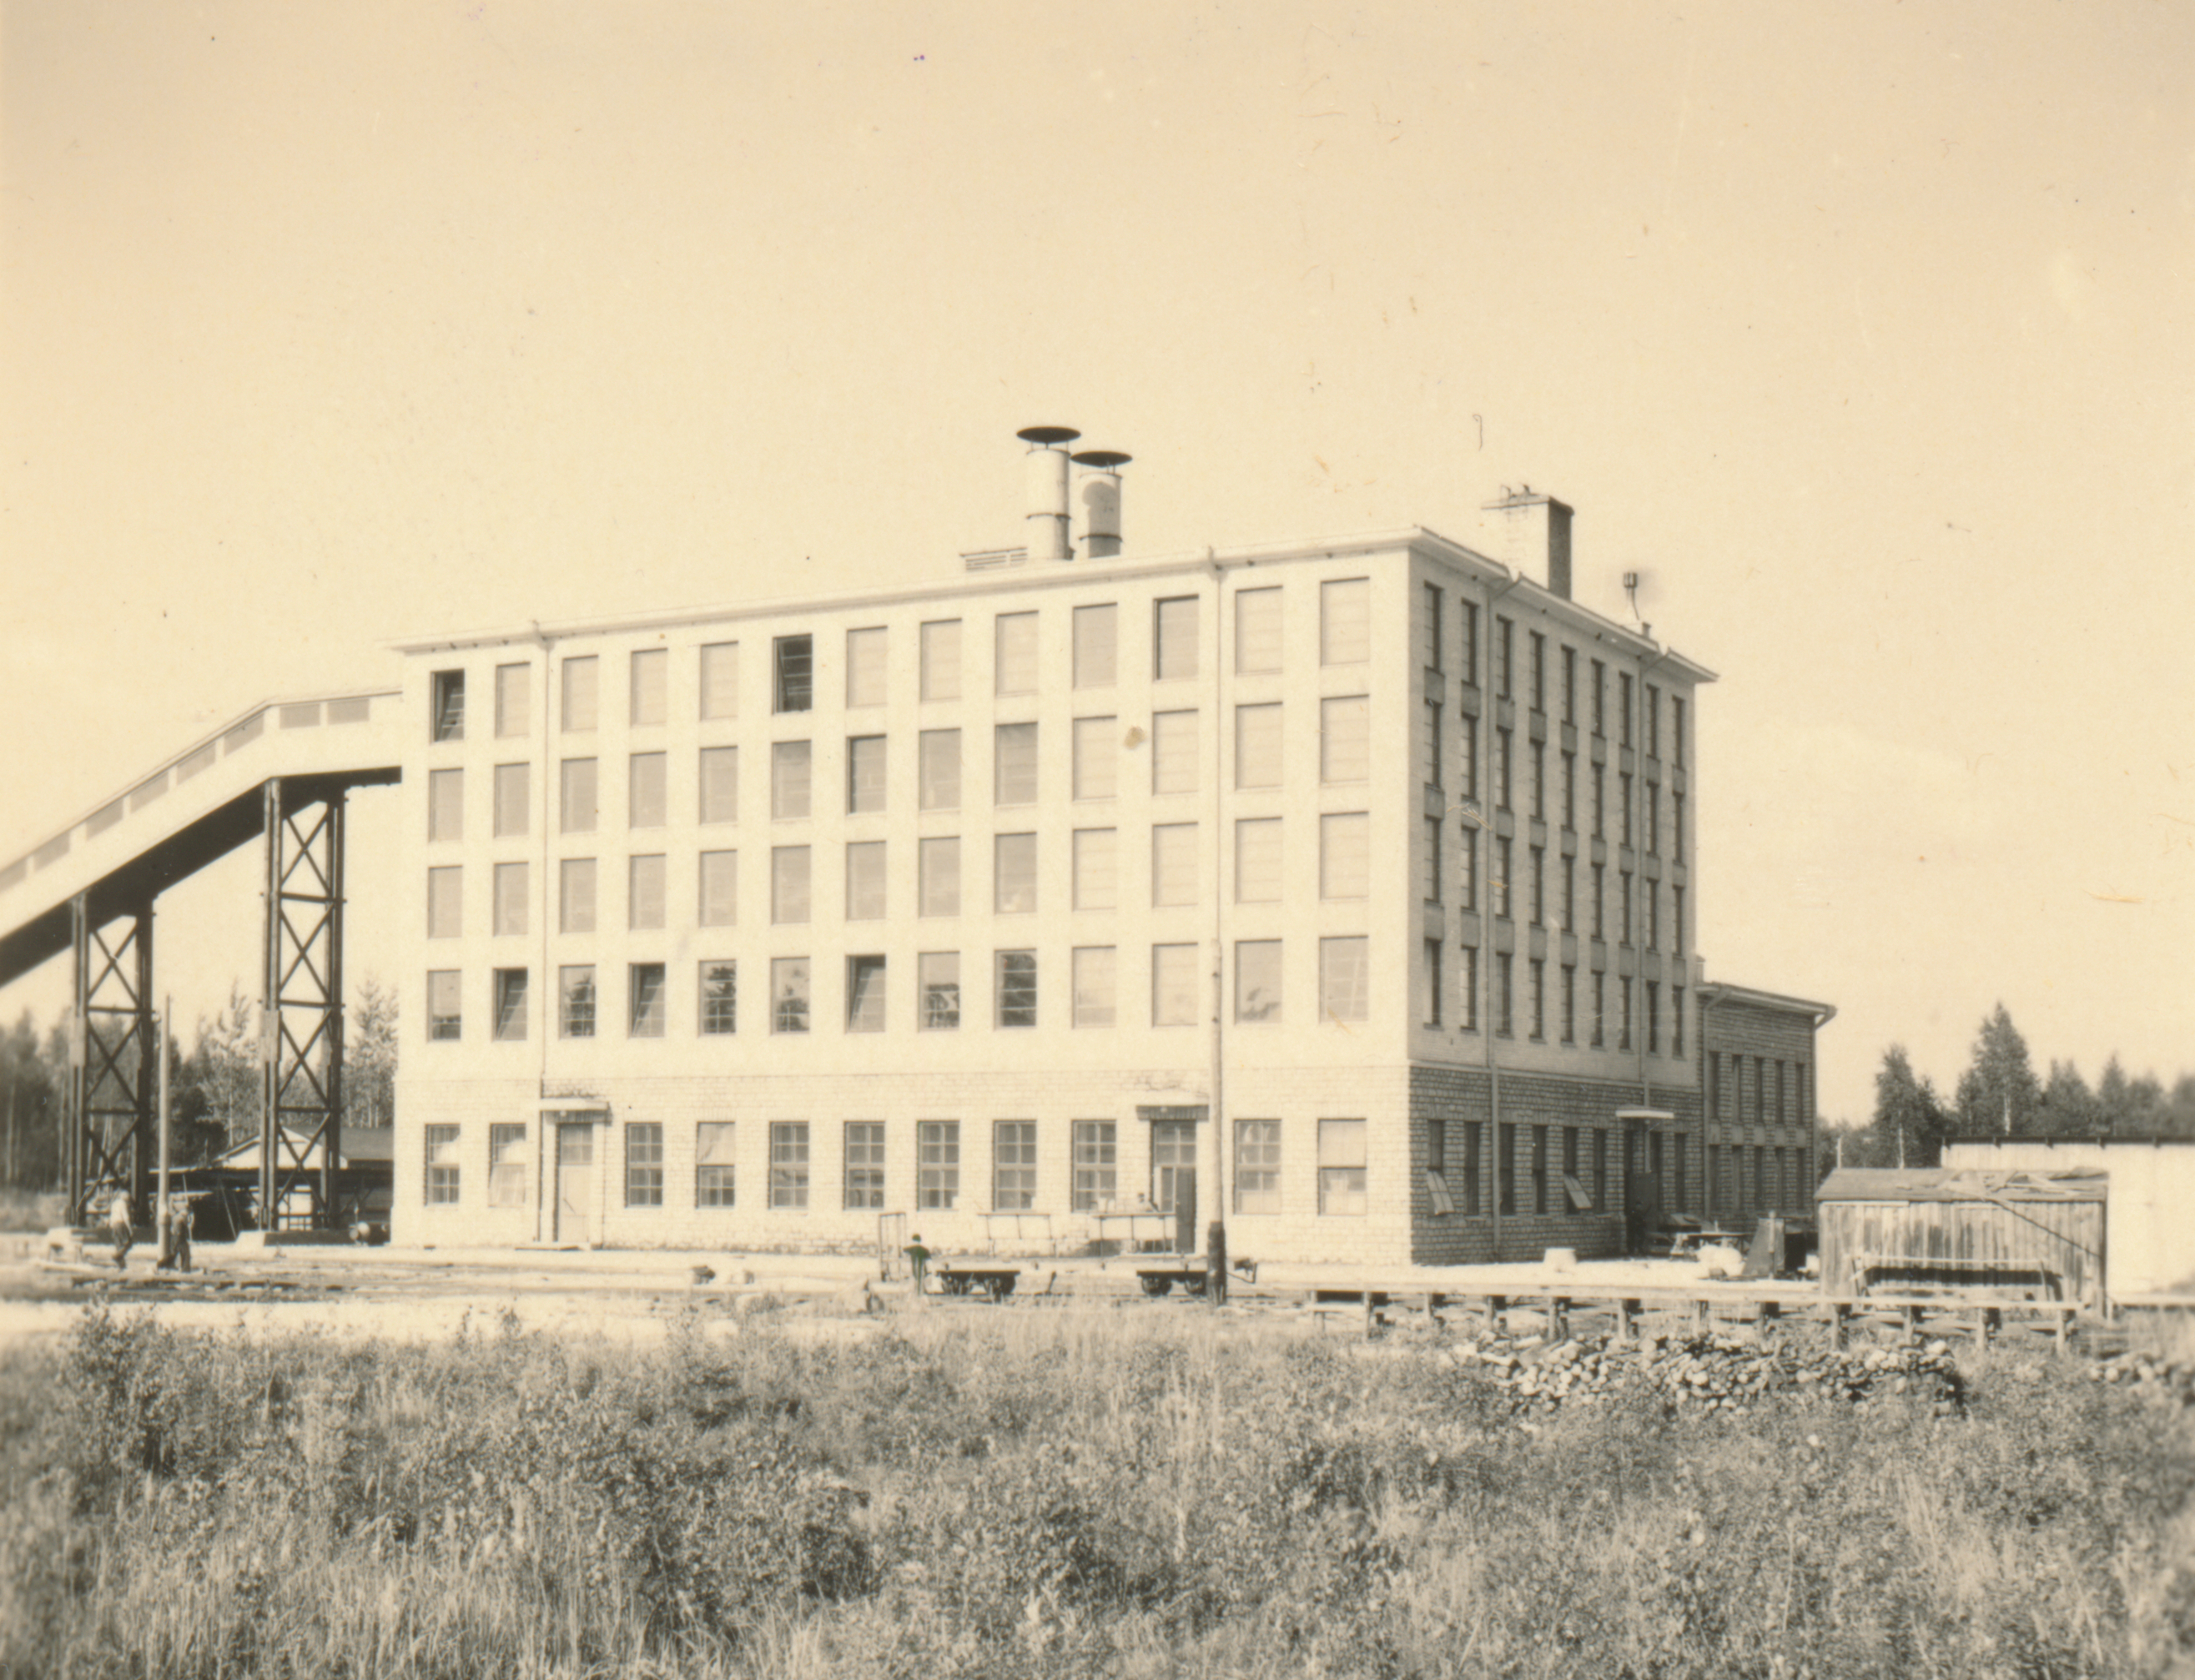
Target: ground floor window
643, 1164
865, 1164
1013, 1161
714, 1182
789, 1164
1096, 1162
1257, 1166
1505, 1167
441, 1165
1341, 1167
937, 1164
507, 1163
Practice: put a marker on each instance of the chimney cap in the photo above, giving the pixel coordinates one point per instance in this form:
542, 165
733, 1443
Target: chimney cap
1105, 459
1046, 435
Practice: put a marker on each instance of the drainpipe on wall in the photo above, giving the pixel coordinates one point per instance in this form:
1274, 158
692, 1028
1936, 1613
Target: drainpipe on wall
543, 1019
1487, 1021
1212, 1150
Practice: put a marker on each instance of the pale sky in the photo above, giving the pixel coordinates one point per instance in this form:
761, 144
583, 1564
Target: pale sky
1863, 331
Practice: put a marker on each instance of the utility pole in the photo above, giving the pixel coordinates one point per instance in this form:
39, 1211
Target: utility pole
160, 1208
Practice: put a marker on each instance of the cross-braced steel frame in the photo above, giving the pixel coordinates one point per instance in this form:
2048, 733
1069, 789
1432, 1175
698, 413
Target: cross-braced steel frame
113, 1070
301, 1006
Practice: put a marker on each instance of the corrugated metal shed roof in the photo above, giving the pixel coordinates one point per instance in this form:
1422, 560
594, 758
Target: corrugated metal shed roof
1952, 1184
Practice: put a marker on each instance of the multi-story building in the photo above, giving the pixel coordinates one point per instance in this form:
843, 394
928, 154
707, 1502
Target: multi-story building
1357, 873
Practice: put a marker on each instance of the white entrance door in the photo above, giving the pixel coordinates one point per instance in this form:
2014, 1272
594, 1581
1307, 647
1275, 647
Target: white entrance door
575, 1183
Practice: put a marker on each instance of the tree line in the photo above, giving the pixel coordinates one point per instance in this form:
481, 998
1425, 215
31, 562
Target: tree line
213, 1087
1999, 1095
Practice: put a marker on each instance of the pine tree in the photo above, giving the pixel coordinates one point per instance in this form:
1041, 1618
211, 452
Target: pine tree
1909, 1122
370, 1057
1998, 1092
2069, 1107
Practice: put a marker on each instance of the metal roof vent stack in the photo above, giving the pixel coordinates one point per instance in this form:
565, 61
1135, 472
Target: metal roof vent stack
1537, 532
1097, 494
1046, 471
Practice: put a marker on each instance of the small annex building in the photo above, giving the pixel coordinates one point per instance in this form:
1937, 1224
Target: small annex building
1899, 1228
2151, 1192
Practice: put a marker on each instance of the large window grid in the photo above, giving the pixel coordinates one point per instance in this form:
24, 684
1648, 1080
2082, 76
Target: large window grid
643, 1164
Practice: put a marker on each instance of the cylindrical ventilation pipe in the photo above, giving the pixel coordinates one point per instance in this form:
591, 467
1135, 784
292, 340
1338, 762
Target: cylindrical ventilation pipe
1097, 493
1047, 490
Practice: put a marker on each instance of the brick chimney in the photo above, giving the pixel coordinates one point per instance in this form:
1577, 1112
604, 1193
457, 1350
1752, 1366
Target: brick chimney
1536, 536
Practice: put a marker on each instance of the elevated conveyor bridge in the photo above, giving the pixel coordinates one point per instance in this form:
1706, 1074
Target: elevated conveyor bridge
280, 773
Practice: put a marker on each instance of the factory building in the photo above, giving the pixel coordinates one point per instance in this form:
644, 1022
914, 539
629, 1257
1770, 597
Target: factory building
1344, 887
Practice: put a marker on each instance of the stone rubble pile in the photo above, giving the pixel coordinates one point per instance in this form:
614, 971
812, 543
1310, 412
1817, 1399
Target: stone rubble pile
2172, 1377
1709, 1372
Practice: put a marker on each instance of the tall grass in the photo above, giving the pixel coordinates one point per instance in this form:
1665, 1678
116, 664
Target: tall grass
1058, 1494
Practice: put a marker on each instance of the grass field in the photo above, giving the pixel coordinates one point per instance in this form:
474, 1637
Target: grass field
1072, 1493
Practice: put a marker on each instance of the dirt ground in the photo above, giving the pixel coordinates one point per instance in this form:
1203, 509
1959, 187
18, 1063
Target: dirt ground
634, 1295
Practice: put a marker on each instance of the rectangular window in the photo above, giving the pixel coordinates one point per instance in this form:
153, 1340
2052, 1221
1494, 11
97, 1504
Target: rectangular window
1343, 979
445, 1004
514, 701
1567, 907
1539, 1170
1016, 988
716, 1157
788, 885
1504, 862
939, 769
1436, 1183
940, 659
1013, 876
510, 897
445, 902
1467, 759
789, 1164
514, 800
506, 1164
1345, 855
1576, 1198
1173, 638
1505, 647
1466, 857
1539, 905
788, 994
865, 774
1501, 769
1569, 686
1097, 758
795, 661
937, 1164
649, 783
1535, 985
1538, 781
1569, 1005
1468, 978
1345, 738
1097, 869
1096, 1164
1599, 1169
865, 1164
791, 780
1173, 752
1013, 1166
643, 1164
1623, 1008
649, 696
575, 1001
937, 978
1096, 646
1505, 1018
1677, 1186
1016, 646
864, 994
1433, 876
720, 681
938, 862
1624, 717
865, 881
1429, 981
1539, 673
579, 681
445, 805
644, 990
1173, 986
865, 667
1470, 643
441, 1143
1470, 1203
1431, 627
1429, 743
1094, 988
1257, 629
575, 896
1015, 765
1345, 621
1258, 980
1599, 1010
575, 797
1570, 791
720, 1000
1258, 861
1624, 906
1173, 864
718, 894
1257, 1166
644, 891
1341, 1168
448, 721
1258, 745
1505, 1167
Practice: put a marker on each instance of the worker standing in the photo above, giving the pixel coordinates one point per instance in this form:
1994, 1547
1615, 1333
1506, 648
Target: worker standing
918, 1261
179, 1232
118, 1228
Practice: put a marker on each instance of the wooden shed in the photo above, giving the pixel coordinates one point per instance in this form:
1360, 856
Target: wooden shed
1939, 1230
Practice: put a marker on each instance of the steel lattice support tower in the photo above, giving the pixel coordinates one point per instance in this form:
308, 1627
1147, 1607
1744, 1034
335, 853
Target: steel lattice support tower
113, 1070
301, 1004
